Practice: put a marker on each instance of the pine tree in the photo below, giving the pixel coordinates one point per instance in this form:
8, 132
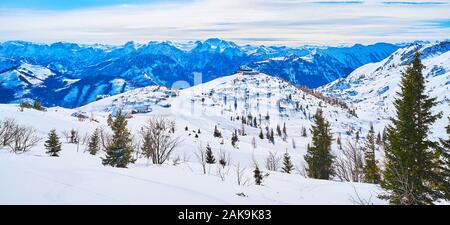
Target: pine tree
52, 144
119, 152
444, 161
410, 162
234, 138
371, 170
261, 135
257, 174
284, 130
272, 137
304, 134
278, 130
209, 155
318, 156
217, 132
287, 164
93, 146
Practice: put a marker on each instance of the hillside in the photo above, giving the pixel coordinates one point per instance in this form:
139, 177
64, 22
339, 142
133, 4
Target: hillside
77, 177
372, 88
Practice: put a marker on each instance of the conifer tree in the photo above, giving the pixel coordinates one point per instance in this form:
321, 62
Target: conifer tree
410, 167
52, 144
304, 134
209, 155
119, 152
444, 161
272, 137
278, 130
261, 135
318, 156
217, 132
234, 138
94, 142
257, 174
371, 170
287, 164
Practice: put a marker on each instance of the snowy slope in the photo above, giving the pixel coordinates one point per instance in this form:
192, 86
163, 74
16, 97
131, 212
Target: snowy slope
77, 177
372, 88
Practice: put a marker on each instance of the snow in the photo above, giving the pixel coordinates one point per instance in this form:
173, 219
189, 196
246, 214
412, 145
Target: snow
372, 88
79, 178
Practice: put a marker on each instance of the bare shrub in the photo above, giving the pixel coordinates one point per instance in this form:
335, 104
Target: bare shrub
201, 156
349, 165
273, 161
24, 138
241, 177
158, 139
7, 129
105, 138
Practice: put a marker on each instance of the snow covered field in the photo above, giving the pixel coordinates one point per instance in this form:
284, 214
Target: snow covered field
76, 177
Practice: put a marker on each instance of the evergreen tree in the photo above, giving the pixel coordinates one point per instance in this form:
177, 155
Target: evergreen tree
272, 137
234, 138
52, 144
261, 135
278, 130
318, 156
410, 162
93, 146
209, 155
304, 134
217, 132
119, 152
371, 170
444, 161
284, 130
287, 164
257, 174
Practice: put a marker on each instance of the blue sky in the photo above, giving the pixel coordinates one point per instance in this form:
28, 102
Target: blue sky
68, 4
270, 22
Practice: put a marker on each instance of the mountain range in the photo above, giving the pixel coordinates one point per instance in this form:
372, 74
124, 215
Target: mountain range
72, 75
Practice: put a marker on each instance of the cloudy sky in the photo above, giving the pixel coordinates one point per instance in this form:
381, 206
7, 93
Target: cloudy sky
271, 22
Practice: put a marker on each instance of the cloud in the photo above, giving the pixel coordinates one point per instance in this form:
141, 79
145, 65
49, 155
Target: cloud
286, 22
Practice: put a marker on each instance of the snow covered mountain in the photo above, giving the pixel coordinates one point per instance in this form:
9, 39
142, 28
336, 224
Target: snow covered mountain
246, 103
372, 88
81, 73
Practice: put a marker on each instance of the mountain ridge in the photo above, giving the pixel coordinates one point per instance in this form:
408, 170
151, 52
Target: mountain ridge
93, 68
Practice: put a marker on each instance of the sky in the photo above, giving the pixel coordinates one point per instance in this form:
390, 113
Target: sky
268, 22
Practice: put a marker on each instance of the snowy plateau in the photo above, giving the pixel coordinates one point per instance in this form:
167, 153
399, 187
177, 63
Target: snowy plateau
223, 101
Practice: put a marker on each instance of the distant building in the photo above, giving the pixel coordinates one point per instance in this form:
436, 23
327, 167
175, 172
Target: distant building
245, 70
